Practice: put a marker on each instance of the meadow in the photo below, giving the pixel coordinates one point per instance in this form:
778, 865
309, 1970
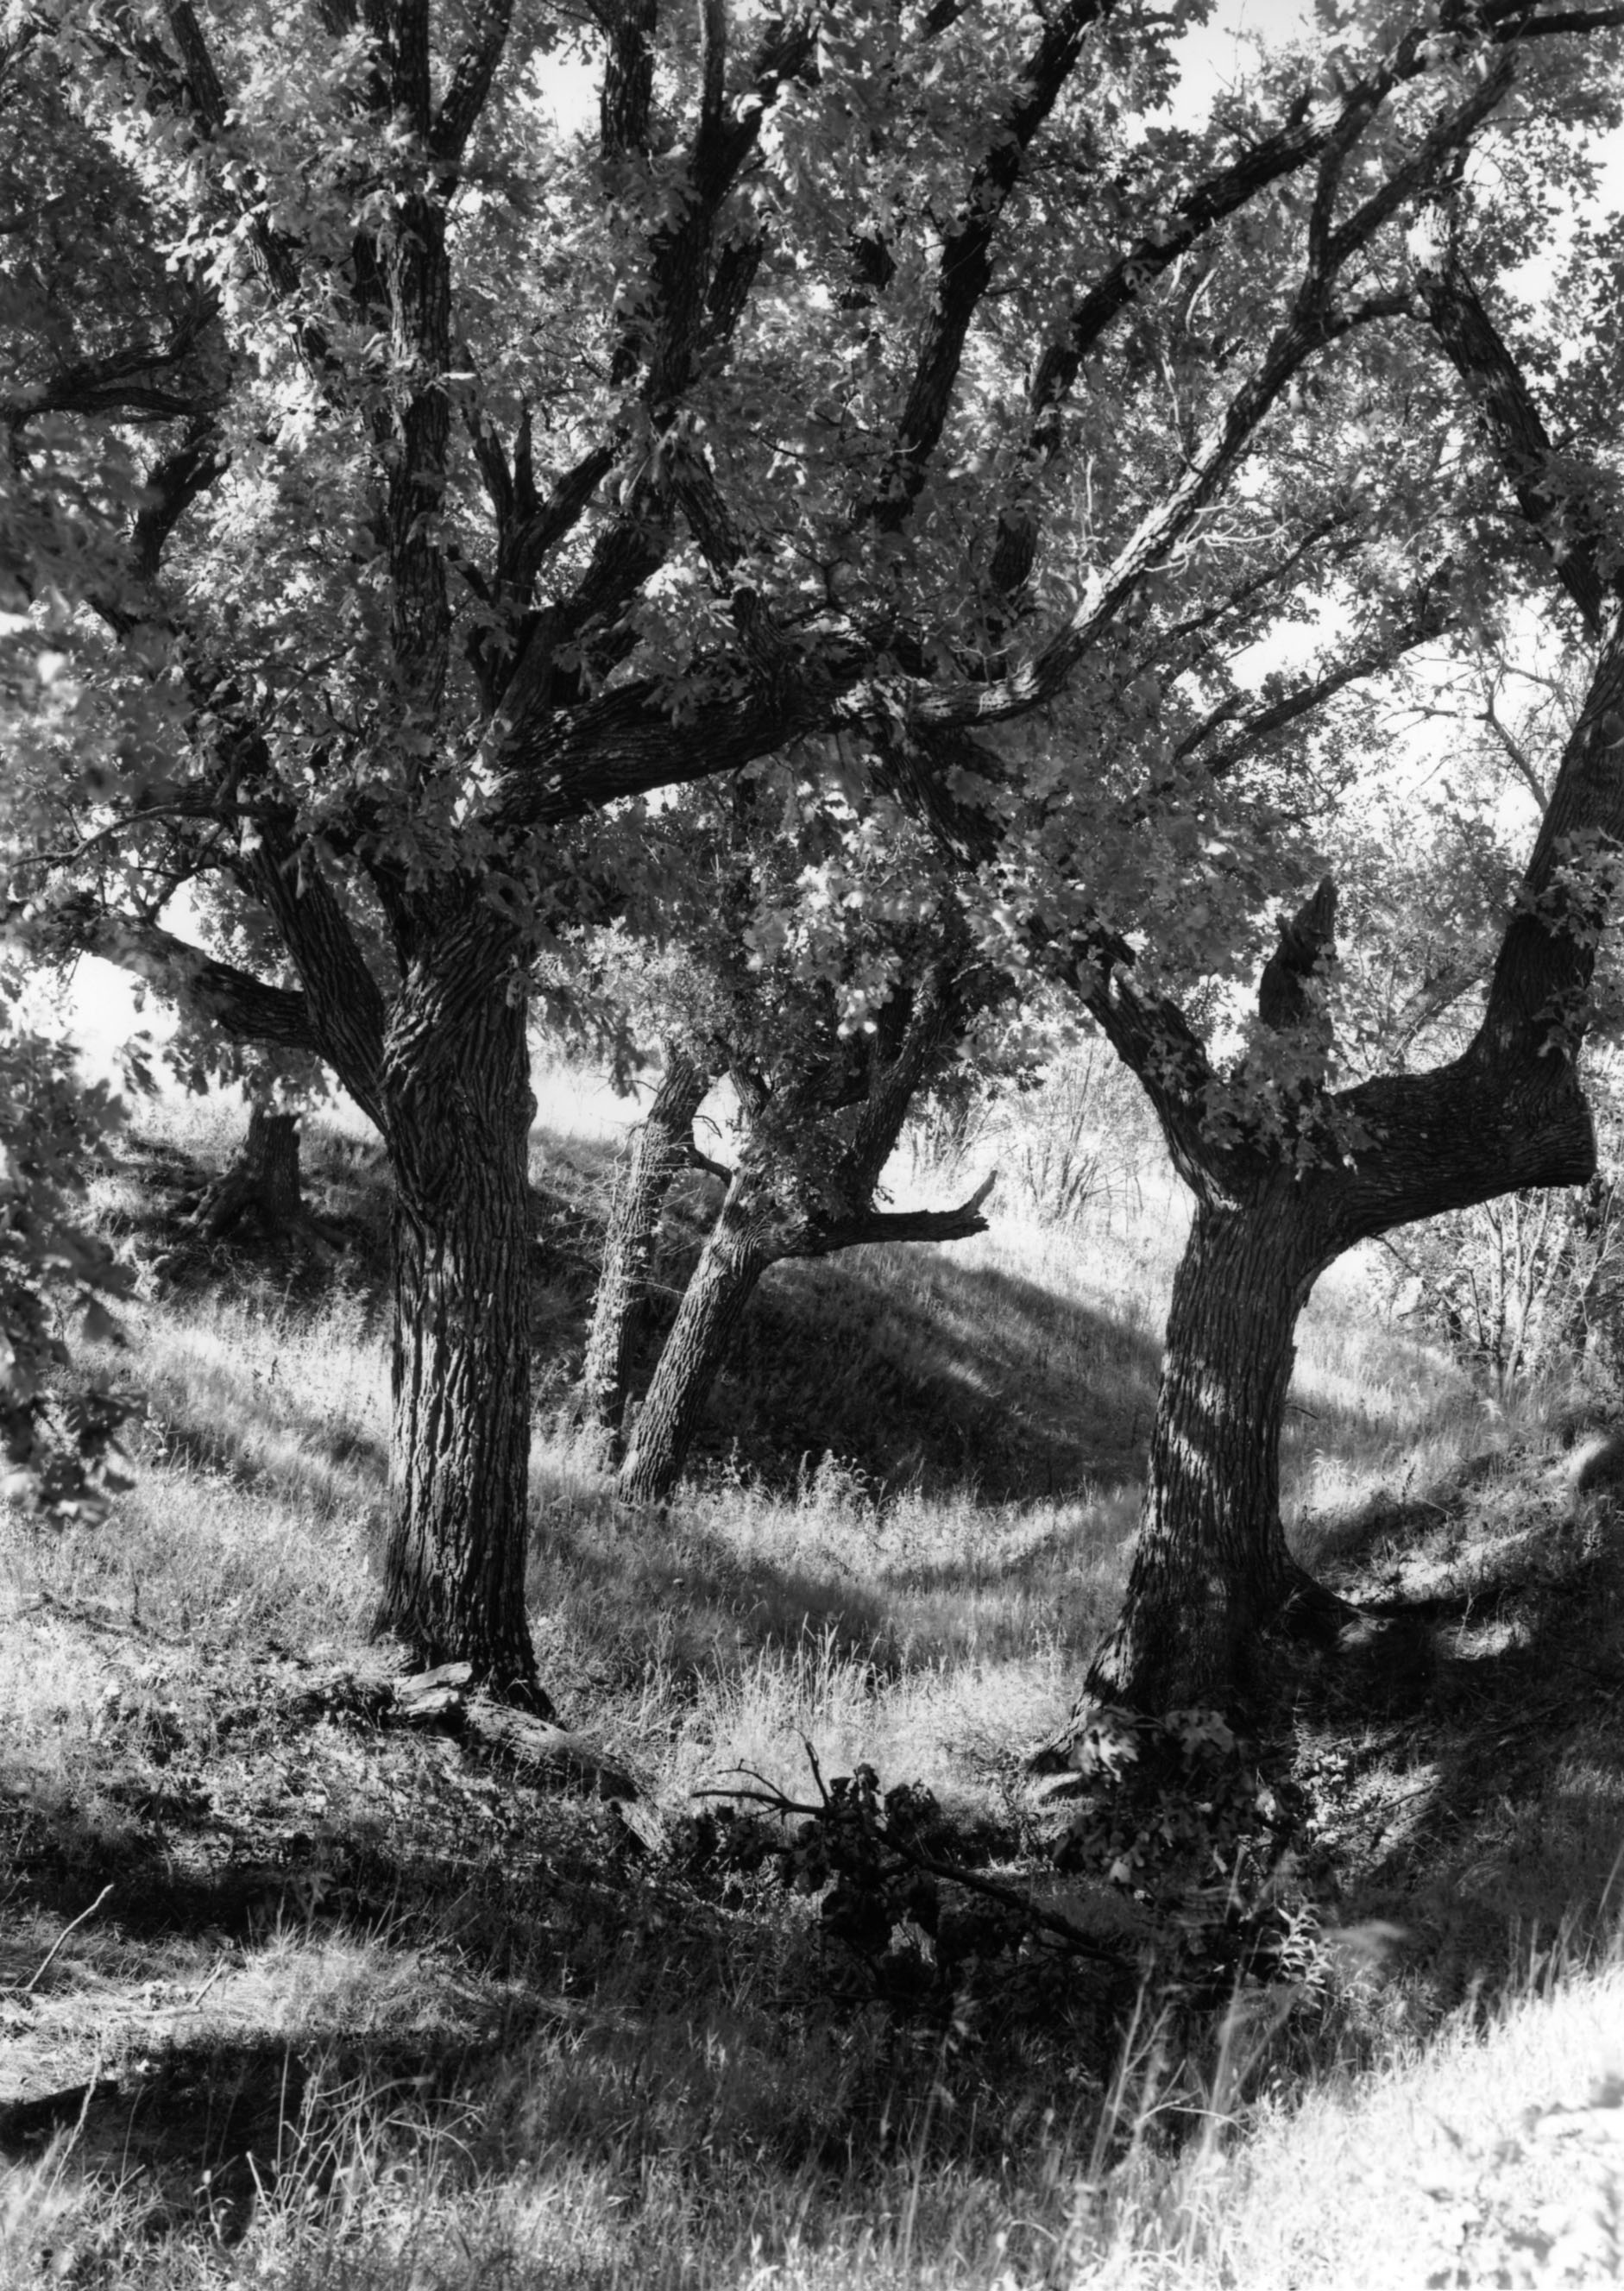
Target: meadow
295, 1993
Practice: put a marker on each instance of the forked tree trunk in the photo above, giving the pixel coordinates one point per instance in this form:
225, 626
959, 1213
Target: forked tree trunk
1211, 1568
850, 1115
457, 1111
1509, 1113
660, 1148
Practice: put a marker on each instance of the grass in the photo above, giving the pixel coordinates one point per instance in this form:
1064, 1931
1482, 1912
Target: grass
361, 2010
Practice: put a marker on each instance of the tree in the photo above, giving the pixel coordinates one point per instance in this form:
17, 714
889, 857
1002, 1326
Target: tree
1524, 1283
824, 964
818, 1136
1288, 1172
456, 479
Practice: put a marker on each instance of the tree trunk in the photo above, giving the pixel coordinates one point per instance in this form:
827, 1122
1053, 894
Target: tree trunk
740, 1249
1211, 1566
458, 1109
756, 1229
1274, 1212
263, 1181
660, 1146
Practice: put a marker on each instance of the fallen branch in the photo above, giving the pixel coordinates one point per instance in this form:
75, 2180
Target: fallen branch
910, 1857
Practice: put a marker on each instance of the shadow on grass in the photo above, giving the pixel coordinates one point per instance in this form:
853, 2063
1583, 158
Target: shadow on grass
830, 1576
926, 1373
1484, 1787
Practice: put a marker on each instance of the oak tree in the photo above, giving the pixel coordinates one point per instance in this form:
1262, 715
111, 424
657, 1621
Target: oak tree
415, 477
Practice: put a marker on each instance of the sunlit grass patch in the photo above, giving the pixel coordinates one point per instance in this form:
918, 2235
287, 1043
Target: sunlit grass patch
1475, 2158
264, 1394
924, 1636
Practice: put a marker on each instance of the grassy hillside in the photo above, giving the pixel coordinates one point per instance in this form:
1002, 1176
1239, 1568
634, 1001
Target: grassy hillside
356, 2007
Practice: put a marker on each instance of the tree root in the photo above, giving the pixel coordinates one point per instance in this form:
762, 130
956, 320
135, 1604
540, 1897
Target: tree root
1311, 1612
447, 1696
1388, 1655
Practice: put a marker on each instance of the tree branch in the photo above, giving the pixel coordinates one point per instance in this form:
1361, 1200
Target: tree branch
628, 81
907, 1224
243, 1007
1564, 520
471, 82
1306, 940
965, 269
1309, 327
343, 998
1427, 619
1305, 332
173, 484
1310, 130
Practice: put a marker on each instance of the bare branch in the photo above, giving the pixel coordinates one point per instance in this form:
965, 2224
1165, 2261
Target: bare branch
1525, 27
1521, 761
1243, 592
907, 1224
1428, 618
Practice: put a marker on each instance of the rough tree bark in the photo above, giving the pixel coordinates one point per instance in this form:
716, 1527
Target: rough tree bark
1210, 1565
457, 1107
660, 1148
740, 1248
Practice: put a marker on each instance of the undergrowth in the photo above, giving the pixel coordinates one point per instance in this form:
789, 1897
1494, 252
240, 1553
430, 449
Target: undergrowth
1330, 2002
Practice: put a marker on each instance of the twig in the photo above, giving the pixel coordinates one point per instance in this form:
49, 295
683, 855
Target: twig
197, 1995
28, 1987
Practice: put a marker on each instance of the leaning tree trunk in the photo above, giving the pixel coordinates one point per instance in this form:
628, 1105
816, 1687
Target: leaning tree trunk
1211, 1566
770, 1214
660, 1148
457, 1109
756, 1230
740, 1248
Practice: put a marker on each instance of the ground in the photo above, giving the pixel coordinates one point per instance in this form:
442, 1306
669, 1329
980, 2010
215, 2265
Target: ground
297, 1988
